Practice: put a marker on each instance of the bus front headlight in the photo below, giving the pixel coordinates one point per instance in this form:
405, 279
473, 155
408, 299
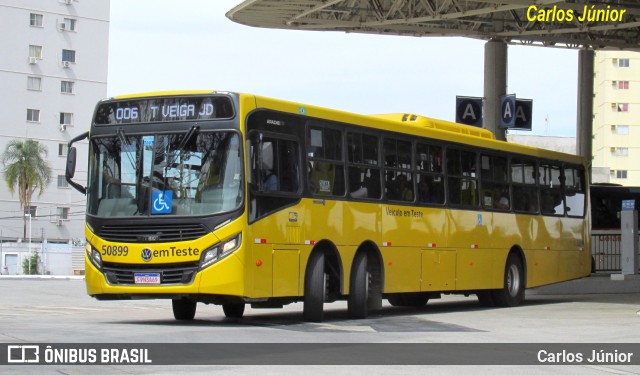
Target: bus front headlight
220, 250
94, 255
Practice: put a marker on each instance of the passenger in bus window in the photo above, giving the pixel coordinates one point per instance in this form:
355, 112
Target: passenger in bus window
427, 192
355, 183
406, 190
321, 178
270, 179
270, 182
503, 201
371, 182
437, 163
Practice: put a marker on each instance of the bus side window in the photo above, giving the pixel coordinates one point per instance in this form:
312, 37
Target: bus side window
364, 169
325, 165
495, 183
462, 177
274, 174
525, 191
575, 194
551, 192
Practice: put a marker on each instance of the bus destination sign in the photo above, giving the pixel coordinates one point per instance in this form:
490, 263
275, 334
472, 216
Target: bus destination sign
168, 109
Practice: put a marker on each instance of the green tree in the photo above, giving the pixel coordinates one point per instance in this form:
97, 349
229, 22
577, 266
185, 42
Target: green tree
31, 269
26, 170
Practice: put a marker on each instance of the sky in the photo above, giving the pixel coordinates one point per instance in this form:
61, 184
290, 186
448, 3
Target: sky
157, 45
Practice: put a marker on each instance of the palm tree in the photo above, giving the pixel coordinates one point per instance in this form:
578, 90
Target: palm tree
26, 167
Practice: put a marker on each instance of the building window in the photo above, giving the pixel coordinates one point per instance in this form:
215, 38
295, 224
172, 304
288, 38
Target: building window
623, 63
34, 83
63, 148
31, 211
621, 175
33, 115
623, 107
35, 20
62, 213
620, 129
68, 24
66, 118
35, 52
62, 181
69, 55
623, 85
66, 87
620, 151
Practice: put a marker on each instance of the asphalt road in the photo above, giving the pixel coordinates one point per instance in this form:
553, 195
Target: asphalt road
59, 311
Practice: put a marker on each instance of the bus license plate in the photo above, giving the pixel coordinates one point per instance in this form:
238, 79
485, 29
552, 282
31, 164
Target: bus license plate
147, 278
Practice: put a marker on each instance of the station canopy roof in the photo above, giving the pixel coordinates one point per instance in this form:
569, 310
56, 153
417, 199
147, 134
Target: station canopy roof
480, 19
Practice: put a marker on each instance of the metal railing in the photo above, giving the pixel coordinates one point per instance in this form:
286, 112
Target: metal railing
605, 249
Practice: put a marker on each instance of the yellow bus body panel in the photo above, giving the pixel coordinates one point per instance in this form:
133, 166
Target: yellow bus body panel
427, 249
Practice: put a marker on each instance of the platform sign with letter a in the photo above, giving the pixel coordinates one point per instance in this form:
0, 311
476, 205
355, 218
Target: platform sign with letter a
507, 111
469, 110
524, 111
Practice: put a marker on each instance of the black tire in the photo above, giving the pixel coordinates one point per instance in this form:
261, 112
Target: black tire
416, 299
485, 298
512, 292
395, 300
408, 299
233, 310
314, 288
358, 288
184, 308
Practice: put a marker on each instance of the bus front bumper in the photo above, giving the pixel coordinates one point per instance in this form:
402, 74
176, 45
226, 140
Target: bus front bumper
224, 278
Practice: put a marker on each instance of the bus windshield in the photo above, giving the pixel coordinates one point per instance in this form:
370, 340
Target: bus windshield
188, 173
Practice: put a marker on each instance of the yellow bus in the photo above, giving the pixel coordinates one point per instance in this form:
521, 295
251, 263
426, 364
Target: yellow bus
236, 199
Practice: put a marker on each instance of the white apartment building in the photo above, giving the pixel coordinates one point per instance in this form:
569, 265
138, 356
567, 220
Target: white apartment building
616, 117
53, 70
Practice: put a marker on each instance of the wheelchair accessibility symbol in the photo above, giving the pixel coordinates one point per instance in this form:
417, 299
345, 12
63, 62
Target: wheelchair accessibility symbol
161, 202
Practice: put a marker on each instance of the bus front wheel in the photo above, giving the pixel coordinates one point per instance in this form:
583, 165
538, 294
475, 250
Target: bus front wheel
512, 292
314, 288
184, 308
358, 288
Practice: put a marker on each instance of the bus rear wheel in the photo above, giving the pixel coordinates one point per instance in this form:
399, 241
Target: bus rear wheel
184, 308
359, 288
512, 292
233, 310
314, 288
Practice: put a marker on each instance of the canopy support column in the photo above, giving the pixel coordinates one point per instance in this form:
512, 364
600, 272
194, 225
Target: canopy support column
495, 85
584, 127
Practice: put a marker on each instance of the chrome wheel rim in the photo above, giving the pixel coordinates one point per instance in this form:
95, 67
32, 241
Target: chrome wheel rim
513, 280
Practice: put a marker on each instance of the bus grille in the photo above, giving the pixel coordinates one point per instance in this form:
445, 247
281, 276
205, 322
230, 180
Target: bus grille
123, 274
152, 232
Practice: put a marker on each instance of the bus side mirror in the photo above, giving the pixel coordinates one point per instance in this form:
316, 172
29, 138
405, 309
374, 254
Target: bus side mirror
71, 163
